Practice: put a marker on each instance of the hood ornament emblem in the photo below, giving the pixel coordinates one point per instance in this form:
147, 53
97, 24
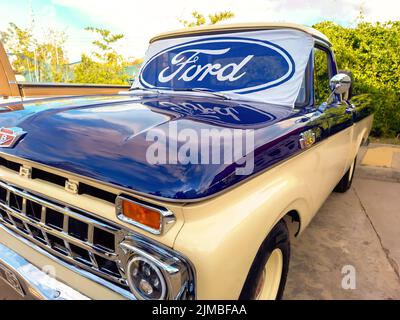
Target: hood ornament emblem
10, 136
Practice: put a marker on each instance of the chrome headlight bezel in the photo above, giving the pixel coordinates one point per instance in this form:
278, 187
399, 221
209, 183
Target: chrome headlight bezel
177, 272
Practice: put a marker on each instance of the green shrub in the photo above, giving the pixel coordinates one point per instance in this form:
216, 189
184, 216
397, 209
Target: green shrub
371, 51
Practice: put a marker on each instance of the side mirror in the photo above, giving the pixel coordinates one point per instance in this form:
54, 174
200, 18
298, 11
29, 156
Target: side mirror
340, 83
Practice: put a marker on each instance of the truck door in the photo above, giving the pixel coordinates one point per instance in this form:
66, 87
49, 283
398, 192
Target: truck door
335, 149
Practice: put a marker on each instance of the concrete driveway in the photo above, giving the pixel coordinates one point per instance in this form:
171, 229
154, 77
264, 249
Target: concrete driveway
356, 233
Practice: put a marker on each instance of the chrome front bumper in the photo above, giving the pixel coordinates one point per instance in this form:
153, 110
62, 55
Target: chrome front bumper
30, 282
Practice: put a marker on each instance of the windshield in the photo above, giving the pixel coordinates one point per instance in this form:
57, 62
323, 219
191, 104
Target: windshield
263, 65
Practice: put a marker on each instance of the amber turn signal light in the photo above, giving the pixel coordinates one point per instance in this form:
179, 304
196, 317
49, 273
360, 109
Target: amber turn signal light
141, 214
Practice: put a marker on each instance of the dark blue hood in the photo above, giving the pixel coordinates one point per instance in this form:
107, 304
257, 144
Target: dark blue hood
104, 138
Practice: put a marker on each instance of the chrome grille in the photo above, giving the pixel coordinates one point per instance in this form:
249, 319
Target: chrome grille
66, 232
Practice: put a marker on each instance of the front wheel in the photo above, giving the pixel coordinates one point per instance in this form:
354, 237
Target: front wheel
267, 277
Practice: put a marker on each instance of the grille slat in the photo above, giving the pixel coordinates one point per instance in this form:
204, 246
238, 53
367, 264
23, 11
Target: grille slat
93, 260
57, 244
15, 202
3, 195
54, 219
37, 233
76, 228
19, 224
103, 239
33, 210
90, 233
68, 248
65, 232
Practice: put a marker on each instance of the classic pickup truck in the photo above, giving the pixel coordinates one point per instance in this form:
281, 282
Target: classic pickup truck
189, 186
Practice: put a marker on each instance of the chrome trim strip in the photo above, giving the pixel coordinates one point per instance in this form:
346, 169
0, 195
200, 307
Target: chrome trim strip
167, 217
32, 282
124, 293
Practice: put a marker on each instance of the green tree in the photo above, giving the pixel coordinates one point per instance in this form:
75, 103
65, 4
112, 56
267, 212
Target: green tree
104, 45
199, 19
105, 66
19, 43
53, 60
37, 61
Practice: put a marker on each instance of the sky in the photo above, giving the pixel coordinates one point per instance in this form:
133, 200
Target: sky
139, 20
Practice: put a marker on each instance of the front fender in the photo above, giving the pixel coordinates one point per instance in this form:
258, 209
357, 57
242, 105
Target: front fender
221, 236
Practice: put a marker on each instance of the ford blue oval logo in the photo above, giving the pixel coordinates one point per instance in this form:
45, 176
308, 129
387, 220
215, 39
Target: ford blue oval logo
228, 64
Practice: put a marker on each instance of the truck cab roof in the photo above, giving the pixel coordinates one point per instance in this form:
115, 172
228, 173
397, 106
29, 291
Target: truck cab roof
239, 27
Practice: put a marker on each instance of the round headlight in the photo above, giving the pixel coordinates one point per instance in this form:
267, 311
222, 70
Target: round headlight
146, 279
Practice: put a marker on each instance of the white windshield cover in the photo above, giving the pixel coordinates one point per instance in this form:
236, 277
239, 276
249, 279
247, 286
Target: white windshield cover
265, 65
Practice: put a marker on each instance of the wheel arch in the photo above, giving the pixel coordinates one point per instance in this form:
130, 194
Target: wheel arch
293, 222
297, 215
